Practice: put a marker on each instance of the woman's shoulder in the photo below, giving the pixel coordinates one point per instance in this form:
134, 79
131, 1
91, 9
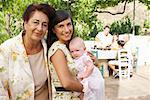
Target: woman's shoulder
55, 46
10, 43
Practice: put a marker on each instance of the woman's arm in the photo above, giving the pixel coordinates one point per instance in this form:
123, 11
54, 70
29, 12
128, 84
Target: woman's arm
95, 60
89, 69
67, 80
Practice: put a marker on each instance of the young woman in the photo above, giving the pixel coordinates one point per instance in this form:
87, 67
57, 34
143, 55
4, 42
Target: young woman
62, 67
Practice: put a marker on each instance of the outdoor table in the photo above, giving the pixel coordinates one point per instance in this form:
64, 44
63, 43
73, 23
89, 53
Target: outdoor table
103, 56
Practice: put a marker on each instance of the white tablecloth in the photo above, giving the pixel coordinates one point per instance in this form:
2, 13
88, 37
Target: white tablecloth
104, 54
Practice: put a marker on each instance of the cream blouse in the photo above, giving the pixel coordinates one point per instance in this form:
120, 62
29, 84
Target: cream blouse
39, 74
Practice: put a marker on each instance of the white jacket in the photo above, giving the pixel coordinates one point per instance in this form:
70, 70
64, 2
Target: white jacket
16, 78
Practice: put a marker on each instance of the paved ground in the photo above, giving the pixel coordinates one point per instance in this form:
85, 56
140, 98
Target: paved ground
136, 88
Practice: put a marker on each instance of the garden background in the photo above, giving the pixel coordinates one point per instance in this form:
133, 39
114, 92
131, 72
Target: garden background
90, 16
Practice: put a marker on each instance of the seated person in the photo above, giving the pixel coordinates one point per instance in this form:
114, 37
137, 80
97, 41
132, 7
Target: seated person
103, 39
114, 45
129, 45
88, 73
113, 63
128, 42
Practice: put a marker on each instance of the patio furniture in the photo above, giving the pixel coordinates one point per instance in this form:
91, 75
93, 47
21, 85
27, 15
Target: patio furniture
125, 66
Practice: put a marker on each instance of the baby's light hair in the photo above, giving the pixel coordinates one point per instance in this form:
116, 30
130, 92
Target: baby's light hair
78, 40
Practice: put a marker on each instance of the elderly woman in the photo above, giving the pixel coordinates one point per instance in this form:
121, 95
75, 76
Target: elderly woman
23, 58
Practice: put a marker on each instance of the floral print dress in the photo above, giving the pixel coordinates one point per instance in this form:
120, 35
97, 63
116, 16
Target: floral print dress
61, 95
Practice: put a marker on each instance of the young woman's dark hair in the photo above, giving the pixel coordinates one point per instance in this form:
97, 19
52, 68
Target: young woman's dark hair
61, 15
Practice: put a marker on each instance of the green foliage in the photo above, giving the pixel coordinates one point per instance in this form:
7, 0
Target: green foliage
2, 23
137, 30
147, 24
146, 2
84, 18
3, 37
12, 15
98, 27
122, 26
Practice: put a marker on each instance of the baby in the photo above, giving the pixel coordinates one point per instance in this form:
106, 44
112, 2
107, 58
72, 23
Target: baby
88, 73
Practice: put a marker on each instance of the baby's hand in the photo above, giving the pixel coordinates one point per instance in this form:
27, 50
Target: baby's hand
80, 77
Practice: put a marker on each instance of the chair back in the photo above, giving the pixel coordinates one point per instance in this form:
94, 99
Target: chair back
124, 60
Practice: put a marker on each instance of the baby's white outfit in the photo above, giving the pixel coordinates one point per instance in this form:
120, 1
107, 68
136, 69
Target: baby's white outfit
93, 86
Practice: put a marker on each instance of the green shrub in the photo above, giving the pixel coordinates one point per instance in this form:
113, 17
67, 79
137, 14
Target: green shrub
122, 26
137, 30
3, 37
147, 24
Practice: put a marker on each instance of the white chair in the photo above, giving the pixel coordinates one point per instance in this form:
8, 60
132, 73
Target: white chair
125, 67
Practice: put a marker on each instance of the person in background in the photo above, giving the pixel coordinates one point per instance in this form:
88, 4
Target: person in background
24, 74
115, 63
62, 67
128, 43
104, 39
126, 38
114, 45
88, 73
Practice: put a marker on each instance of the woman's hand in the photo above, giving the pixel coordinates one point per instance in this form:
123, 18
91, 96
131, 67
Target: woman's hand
95, 60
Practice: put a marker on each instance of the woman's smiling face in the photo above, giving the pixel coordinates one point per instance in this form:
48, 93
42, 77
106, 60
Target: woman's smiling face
64, 30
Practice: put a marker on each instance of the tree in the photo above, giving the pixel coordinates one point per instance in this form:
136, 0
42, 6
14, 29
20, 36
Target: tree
122, 26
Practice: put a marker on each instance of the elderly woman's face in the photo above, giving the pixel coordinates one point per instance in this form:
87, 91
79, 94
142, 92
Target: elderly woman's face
37, 26
64, 30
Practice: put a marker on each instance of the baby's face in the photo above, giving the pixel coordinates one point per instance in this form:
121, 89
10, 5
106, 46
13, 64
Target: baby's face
76, 51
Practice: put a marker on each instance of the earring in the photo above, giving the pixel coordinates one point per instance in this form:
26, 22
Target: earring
46, 34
